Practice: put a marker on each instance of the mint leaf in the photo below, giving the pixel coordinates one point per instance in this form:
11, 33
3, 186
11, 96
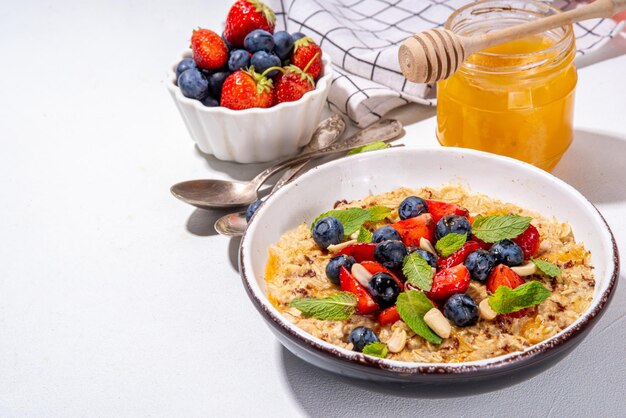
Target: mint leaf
412, 306
417, 271
450, 243
507, 300
351, 218
376, 349
364, 235
369, 147
378, 213
546, 268
498, 227
337, 307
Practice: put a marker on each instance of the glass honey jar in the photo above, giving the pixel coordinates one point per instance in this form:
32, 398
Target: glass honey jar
515, 99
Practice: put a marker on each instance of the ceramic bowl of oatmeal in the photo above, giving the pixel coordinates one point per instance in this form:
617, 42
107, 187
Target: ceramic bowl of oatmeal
437, 312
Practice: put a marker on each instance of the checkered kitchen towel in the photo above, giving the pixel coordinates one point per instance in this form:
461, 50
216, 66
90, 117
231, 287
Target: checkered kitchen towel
362, 38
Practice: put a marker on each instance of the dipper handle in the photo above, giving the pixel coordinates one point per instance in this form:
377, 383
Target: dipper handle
436, 54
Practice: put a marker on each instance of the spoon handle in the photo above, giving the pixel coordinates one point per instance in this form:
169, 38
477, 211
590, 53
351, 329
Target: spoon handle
383, 130
327, 133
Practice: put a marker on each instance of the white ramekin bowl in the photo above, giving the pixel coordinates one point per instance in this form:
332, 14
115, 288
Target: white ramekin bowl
252, 135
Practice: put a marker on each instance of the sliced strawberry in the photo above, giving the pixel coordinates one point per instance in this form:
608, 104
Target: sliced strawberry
503, 276
413, 229
522, 312
373, 267
483, 245
529, 241
459, 256
389, 316
448, 282
440, 209
363, 251
365, 303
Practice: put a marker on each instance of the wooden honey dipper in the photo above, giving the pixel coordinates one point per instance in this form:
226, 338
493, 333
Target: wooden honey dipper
436, 54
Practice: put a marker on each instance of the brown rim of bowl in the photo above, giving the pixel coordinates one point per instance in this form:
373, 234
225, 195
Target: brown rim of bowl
360, 359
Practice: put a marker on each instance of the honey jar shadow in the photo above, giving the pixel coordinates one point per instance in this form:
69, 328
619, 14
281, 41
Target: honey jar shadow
594, 164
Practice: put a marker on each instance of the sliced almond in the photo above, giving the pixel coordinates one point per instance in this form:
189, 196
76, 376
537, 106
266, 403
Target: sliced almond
438, 323
485, 311
426, 245
338, 247
396, 343
361, 274
525, 269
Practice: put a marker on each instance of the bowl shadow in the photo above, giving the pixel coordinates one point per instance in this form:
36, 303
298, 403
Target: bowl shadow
236, 171
201, 221
317, 389
598, 175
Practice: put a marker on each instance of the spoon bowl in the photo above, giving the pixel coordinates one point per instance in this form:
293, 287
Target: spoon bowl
212, 194
232, 225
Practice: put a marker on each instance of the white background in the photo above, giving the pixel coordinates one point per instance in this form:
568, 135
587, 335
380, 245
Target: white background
118, 300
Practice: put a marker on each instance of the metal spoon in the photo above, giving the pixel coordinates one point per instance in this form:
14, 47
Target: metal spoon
211, 194
327, 133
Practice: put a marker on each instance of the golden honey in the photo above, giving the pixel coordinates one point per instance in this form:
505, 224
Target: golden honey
515, 99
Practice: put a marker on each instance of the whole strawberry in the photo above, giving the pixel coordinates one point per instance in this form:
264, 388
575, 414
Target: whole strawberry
244, 17
209, 50
245, 89
304, 56
292, 84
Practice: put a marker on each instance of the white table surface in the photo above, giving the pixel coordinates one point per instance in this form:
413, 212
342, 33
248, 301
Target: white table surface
118, 300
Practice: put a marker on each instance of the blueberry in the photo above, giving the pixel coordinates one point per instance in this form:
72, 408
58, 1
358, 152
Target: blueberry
335, 264
385, 233
411, 207
362, 336
259, 40
390, 254
453, 224
185, 64
507, 252
263, 60
210, 102
384, 289
480, 264
283, 44
252, 208
297, 35
193, 84
327, 231
216, 81
239, 58
429, 257
461, 309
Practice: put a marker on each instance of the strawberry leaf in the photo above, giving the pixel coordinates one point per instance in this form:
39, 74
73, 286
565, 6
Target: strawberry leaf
546, 268
376, 349
364, 235
450, 243
506, 300
417, 271
338, 307
412, 306
498, 227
